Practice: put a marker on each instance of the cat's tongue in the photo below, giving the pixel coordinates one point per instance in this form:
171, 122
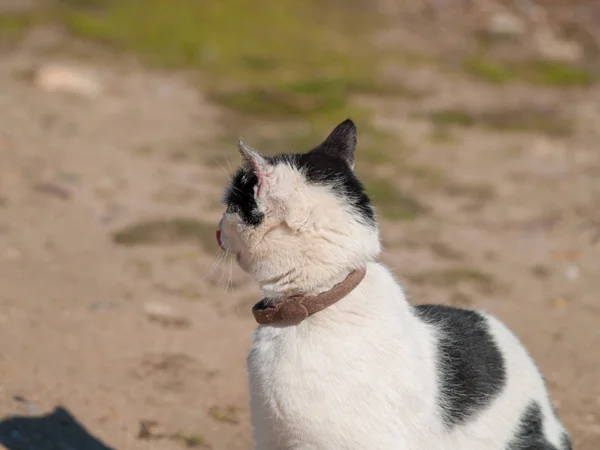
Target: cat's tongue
219, 238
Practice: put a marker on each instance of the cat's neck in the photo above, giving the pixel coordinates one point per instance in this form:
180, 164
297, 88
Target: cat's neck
378, 296
303, 283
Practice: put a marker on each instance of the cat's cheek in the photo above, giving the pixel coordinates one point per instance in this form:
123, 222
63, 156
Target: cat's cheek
298, 220
242, 263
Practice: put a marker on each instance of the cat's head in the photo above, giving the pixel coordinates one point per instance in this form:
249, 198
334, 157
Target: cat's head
297, 222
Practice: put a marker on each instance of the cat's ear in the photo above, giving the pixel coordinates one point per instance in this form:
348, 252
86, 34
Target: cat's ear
258, 164
341, 142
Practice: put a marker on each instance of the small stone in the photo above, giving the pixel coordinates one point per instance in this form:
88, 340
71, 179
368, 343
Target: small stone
572, 273
148, 429
12, 254
559, 303
506, 24
165, 315
552, 47
53, 190
63, 78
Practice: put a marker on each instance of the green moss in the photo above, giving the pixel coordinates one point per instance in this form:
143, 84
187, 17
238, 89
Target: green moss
228, 414
167, 231
555, 73
303, 98
14, 26
453, 117
441, 134
542, 72
480, 192
488, 70
457, 275
522, 119
546, 121
285, 52
283, 60
390, 202
191, 441
378, 148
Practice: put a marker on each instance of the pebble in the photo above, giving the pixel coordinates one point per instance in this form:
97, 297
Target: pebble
165, 315
551, 47
63, 78
506, 24
572, 273
53, 190
12, 254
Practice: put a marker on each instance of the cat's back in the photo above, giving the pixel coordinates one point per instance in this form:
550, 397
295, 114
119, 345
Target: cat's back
488, 384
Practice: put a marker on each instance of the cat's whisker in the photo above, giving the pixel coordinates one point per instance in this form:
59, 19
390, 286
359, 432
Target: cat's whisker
223, 270
227, 162
230, 281
218, 257
227, 174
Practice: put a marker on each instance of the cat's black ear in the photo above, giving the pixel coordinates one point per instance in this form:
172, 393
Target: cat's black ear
341, 142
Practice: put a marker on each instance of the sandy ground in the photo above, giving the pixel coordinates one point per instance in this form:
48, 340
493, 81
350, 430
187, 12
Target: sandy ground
143, 347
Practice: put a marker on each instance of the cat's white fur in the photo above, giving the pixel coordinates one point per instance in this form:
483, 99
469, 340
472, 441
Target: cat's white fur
360, 374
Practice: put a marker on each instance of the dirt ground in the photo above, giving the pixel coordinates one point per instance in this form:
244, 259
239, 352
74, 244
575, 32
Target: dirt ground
105, 345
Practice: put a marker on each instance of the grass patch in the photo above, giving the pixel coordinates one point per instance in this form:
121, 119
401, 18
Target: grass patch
390, 202
444, 251
190, 441
377, 147
276, 58
478, 192
14, 26
541, 72
227, 414
281, 60
441, 134
513, 120
167, 231
554, 73
487, 70
455, 276
310, 96
452, 117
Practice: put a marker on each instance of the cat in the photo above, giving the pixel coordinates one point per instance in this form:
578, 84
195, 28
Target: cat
340, 359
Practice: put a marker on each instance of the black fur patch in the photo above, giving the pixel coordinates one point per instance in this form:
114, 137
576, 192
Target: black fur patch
530, 434
471, 368
319, 167
239, 198
565, 442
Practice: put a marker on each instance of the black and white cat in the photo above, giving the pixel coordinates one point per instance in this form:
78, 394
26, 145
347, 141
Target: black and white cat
370, 371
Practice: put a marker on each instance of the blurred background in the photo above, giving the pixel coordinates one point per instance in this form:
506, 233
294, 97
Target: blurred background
121, 327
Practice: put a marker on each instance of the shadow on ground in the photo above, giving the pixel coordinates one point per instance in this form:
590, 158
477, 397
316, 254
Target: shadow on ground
58, 430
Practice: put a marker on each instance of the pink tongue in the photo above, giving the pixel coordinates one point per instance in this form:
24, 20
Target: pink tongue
219, 237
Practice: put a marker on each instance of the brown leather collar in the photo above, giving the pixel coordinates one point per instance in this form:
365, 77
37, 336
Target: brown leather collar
298, 308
